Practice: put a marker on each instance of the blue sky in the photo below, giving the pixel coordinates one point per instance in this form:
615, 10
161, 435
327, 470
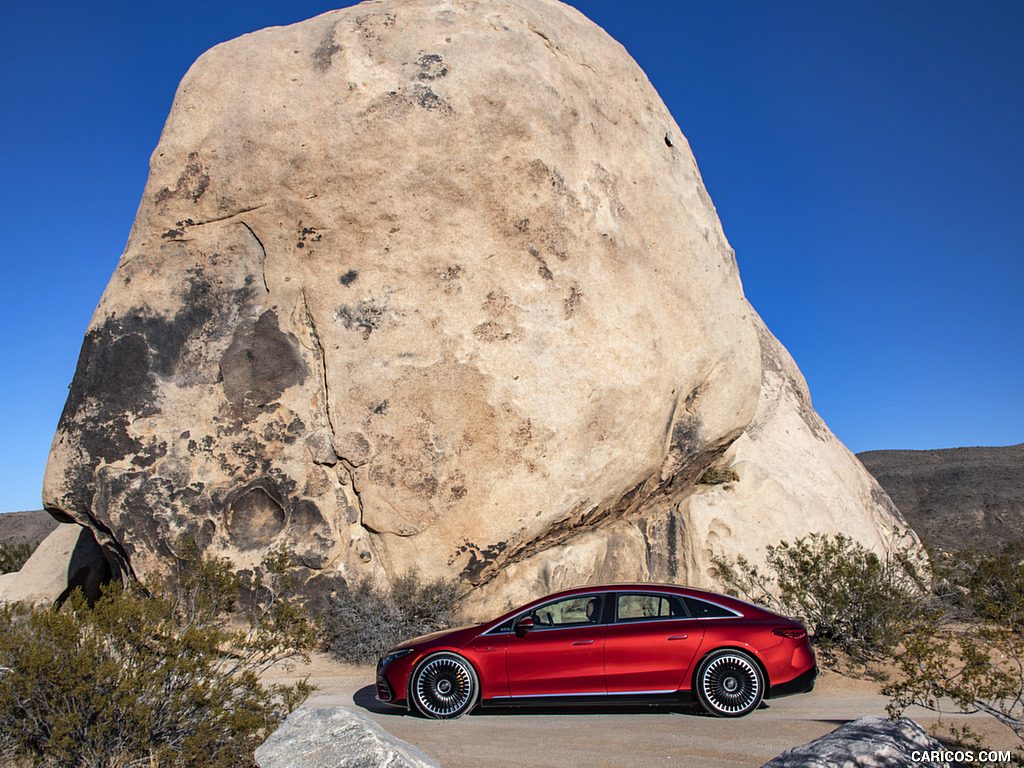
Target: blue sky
865, 159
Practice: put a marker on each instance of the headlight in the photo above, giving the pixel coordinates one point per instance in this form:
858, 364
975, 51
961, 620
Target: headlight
395, 656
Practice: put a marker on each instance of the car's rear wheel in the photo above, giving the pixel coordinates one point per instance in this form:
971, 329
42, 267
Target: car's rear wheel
443, 686
729, 684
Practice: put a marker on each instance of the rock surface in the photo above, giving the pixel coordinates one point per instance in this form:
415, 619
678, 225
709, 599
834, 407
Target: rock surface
336, 738
434, 284
869, 741
792, 477
956, 498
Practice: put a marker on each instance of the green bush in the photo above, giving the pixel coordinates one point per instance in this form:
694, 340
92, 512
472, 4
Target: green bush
970, 670
974, 664
850, 598
718, 476
985, 584
153, 676
363, 622
13, 556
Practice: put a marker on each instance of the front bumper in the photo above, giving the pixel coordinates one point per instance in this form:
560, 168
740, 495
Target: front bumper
384, 692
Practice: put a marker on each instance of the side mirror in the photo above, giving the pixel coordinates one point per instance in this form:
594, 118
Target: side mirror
525, 625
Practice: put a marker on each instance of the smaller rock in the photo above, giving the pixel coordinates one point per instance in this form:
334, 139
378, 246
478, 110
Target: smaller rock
870, 741
67, 558
336, 738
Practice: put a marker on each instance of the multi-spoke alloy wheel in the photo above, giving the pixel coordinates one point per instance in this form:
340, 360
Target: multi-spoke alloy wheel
444, 685
729, 684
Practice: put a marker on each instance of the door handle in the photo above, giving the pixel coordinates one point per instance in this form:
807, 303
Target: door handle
584, 642
678, 637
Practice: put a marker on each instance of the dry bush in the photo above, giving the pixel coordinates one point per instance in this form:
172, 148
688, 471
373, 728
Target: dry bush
850, 599
975, 665
13, 556
363, 622
152, 676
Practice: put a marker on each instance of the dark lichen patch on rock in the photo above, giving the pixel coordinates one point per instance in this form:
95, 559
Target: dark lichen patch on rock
492, 331
192, 184
431, 66
119, 372
480, 560
542, 268
572, 301
308, 235
261, 363
365, 317
426, 98
323, 56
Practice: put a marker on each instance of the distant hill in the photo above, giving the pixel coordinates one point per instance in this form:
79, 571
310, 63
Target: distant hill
956, 498
25, 527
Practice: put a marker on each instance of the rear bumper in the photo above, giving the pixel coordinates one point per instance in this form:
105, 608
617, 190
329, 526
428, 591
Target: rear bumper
802, 684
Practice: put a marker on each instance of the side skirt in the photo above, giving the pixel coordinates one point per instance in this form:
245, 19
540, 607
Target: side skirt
673, 699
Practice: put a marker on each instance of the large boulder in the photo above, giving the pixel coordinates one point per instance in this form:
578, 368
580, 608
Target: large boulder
419, 284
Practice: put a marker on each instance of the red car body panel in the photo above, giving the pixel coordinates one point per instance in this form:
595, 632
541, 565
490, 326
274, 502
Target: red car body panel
552, 663
616, 656
650, 658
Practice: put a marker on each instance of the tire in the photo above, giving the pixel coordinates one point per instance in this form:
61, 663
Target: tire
729, 684
444, 686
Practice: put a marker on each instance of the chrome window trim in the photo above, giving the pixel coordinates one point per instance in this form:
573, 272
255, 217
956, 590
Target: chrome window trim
734, 614
652, 620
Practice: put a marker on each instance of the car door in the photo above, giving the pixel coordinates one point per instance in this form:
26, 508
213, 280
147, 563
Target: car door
563, 654
651, 644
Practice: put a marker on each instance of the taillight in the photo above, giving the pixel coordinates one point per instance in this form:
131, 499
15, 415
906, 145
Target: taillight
793, 633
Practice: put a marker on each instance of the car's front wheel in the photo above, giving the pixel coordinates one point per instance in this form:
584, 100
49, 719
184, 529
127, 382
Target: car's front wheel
729, 684
444, 685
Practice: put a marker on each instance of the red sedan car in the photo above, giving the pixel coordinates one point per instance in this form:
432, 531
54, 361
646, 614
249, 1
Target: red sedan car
627, 643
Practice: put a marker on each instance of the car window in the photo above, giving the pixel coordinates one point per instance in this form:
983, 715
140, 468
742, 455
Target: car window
700, 609
502, 628
569, 612
643, 607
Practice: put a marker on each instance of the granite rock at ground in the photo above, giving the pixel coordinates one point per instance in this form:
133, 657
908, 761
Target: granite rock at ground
336, 737
868, 742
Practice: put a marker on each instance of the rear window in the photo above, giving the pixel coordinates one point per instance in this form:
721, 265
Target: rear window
700, 609
642, 607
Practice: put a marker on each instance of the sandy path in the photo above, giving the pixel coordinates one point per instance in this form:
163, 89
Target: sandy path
616, 738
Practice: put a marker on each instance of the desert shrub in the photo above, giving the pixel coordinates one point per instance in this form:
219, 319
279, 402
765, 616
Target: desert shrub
718, 476
974, 664
364, 621
849, 597
970, 670
13, 556
985, 584
154, 676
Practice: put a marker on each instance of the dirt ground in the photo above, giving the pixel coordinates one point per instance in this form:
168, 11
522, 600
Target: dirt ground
624, 737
